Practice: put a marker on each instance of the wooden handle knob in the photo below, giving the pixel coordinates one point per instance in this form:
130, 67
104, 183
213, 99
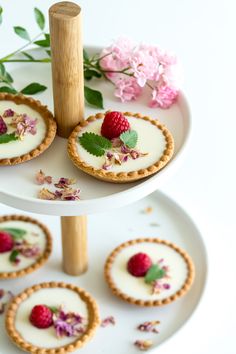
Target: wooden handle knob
67, 65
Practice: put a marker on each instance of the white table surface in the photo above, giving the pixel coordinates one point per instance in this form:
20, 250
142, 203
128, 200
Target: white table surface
202, 33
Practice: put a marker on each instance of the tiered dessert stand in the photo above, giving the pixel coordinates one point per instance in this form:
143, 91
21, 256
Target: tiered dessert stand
17, 188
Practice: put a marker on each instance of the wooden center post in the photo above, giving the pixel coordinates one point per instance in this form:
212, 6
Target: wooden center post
68, 95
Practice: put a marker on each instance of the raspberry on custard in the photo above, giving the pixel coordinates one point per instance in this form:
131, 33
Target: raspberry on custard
139, 264
6, 242
114, 124
41, 316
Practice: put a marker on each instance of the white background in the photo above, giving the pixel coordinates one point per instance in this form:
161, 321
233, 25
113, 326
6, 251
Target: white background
202, 33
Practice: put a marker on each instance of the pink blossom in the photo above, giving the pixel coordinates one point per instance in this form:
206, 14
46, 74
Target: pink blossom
127, 89
144, 67
163, 97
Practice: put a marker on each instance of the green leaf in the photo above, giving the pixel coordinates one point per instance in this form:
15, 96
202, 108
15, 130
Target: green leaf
89, 74
154, 273
44, 42
129, 138
95, 144
39, 17
2, 70
9, 77
48, 52
27, 55
33, 88
21, 32
15, 233
85, 55
93, 97
13, 256
54, 309
6, 138
8, 89
1, 11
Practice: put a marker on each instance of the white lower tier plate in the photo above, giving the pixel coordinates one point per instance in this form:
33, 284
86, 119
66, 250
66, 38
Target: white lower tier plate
17, 187
106, 231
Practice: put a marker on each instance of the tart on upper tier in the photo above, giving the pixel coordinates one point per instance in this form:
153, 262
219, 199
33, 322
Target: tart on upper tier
149, 272
27, 128
52, 318
120, 147
25, 245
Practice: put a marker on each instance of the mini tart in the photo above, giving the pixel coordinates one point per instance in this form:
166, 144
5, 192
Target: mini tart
16, 317
26, 265
32, 145
134, 289
130, 171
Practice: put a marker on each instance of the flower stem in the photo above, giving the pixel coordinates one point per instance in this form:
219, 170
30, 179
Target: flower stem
5, 59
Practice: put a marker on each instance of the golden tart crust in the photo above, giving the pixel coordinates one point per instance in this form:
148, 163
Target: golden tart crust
41, 260
50, 124
147, 303
120, 177
93, 319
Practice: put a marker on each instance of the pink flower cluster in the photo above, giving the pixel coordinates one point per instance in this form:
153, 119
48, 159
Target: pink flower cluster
131, 68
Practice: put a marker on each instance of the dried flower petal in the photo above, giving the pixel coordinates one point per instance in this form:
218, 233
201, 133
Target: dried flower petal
149, 326
65, 182
143, 344
110, 320
45, 194
68, 324
24, 124
8, 113
41, 178
70, 194
5, 297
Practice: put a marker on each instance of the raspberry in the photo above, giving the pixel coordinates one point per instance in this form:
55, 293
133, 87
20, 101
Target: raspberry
3, 126
41, 316
6, 242
139, 264
114, 124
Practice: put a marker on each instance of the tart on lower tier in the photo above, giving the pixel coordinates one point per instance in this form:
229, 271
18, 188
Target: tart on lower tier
25, 245
120, 147
149, 272
27, 128
52, 318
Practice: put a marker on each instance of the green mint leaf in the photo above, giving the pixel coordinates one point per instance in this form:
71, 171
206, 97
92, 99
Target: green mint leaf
86, 56
13, 256
27, 55
54, 309
1, 11
39, 17
8, 89
33, 88
154, 273
48, 52
15, 233
21, 32
93, 97
6, 138
129, 138
89, 74
95, 144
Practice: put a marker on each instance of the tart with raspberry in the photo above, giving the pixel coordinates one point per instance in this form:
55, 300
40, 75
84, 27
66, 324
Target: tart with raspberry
120, 147
149, 272
25, 245
27, 129
52, 318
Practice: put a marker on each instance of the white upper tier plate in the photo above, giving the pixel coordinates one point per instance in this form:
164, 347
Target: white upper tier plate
17, 186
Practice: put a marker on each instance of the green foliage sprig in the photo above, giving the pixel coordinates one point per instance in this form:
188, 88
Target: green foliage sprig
92, 67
